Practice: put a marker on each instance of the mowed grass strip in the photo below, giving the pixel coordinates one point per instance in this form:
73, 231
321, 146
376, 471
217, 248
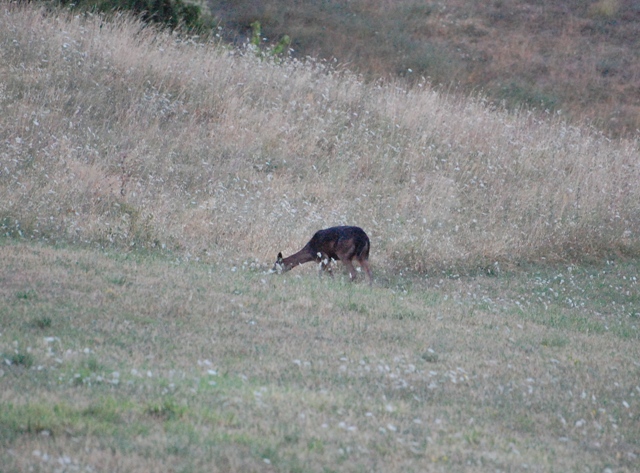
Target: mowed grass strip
151, 361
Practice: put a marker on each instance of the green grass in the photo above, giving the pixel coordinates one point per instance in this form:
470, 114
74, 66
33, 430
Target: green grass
209, 366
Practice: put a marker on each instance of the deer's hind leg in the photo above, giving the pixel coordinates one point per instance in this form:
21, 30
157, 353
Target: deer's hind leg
352, 270
364, 263
346, 255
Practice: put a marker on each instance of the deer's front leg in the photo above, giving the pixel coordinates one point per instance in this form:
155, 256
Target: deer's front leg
324, 264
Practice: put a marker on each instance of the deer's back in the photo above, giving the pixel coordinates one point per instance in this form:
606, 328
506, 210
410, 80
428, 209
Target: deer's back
344, 240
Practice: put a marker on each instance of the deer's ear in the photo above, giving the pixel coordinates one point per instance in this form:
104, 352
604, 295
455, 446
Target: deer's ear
279, 256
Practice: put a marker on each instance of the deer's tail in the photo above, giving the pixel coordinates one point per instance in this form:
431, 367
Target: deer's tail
362, 249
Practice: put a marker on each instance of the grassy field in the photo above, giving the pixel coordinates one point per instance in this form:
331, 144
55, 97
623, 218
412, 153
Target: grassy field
148, 180
147, 362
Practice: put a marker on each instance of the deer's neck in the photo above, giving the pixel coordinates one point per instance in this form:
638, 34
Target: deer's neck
303, 256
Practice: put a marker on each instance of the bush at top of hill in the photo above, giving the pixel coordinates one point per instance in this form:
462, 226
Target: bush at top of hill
170, 13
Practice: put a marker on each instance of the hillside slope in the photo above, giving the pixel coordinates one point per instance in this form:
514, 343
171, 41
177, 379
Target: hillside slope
115, 134
580, 58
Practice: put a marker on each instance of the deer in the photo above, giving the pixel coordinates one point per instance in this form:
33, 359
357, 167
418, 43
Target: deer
336, 243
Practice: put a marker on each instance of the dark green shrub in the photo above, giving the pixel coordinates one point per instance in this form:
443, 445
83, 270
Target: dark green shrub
171, 13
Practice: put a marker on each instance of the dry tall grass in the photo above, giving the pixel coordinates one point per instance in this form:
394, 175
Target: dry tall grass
116, 134
573, 56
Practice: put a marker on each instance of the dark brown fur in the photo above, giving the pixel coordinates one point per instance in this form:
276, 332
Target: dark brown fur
338, 243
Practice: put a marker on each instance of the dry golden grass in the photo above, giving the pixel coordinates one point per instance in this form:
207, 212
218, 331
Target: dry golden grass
115, 134
577, 57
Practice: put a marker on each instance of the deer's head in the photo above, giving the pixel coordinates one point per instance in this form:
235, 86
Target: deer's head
279, 266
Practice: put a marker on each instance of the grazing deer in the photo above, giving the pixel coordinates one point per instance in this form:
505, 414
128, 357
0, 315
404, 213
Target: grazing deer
335, 243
